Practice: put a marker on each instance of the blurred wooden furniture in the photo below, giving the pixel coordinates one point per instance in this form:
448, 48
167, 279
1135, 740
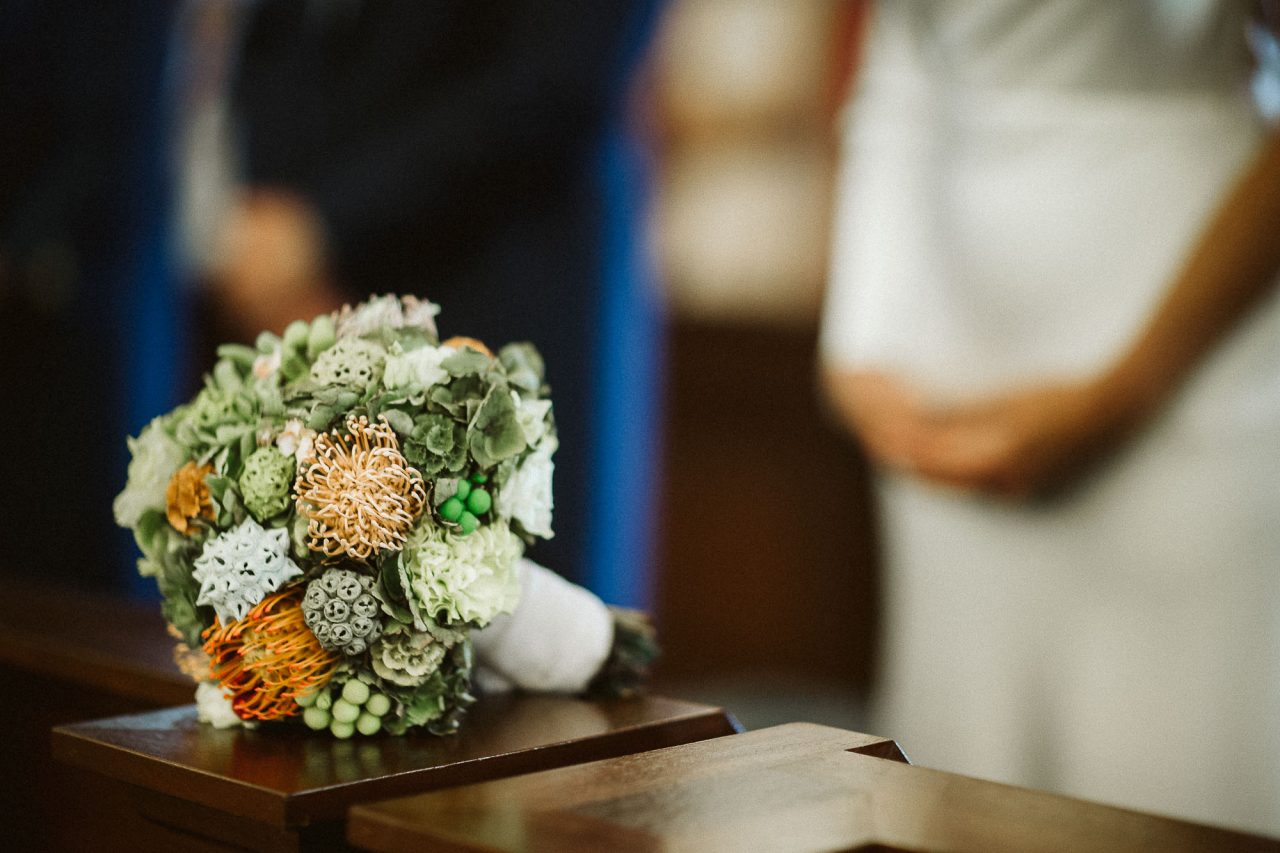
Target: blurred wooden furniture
196, 787
99, 643
766, 510
796, 787
69, 655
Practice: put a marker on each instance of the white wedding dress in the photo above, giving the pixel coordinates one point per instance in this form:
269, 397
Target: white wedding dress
1020, 183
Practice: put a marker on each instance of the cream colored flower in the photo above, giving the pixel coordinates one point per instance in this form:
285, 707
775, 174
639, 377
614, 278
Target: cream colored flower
295, 440
266, 365
386, 312
155, 457
416, 370
357, 492
213, 706
532, 417
455, 578
526, 496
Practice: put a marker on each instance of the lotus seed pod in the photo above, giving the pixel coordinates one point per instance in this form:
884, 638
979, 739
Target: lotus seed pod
349, 363
341, 611
265, 482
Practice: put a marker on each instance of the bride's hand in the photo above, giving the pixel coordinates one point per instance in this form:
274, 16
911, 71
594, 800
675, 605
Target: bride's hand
1025, 444
1019, 445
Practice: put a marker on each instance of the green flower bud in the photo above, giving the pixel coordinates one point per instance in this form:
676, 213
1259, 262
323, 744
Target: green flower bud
368, 724
316, 718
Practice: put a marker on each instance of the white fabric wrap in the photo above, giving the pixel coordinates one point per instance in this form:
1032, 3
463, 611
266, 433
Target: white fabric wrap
556, 640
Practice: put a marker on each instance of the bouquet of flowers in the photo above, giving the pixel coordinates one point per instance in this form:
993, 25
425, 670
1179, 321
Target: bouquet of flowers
338, 512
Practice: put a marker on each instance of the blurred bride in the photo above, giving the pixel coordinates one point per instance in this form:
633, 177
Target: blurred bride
1053, 322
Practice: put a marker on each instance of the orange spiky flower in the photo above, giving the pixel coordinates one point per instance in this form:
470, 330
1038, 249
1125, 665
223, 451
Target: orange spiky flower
269, 658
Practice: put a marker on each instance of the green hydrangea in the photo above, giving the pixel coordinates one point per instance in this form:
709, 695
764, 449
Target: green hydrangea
524, 367
436, 443
495, 433
438, 702
265, 482
350, 363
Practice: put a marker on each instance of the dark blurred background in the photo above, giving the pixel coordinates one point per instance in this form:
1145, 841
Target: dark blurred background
604, 179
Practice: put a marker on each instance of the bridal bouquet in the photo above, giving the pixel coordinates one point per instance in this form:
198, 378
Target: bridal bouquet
340, 512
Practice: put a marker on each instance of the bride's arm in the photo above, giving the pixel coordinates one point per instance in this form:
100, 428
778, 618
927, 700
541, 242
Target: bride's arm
1232, 266
1036, 440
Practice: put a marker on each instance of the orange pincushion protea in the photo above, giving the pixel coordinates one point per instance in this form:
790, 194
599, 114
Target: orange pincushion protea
460, 341
358, 493
187, 497
269, 658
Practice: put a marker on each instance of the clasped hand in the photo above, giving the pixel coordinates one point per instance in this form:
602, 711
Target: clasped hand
1028, 443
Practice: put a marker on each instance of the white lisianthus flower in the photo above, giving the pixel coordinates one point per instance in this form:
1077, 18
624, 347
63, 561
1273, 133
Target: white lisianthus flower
155, 457
417, 370
420, 313
213, 706
295, 440
456, 578
386, 312
526, 495
532, 417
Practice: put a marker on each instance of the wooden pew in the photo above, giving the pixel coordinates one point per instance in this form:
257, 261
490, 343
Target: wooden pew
798, 787
68, 655
190, 786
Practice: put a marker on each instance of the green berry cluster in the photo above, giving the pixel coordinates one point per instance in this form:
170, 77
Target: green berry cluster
356, 709
468, 504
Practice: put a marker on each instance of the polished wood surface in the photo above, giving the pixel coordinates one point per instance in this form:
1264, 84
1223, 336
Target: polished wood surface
798, 787
261, 788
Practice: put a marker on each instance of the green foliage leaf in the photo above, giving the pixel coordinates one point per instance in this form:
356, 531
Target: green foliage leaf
398, 420
321, 416
240, 355
466, 362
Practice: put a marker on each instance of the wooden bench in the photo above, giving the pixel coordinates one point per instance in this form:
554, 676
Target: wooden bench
797, 787
67, 655
190, 784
